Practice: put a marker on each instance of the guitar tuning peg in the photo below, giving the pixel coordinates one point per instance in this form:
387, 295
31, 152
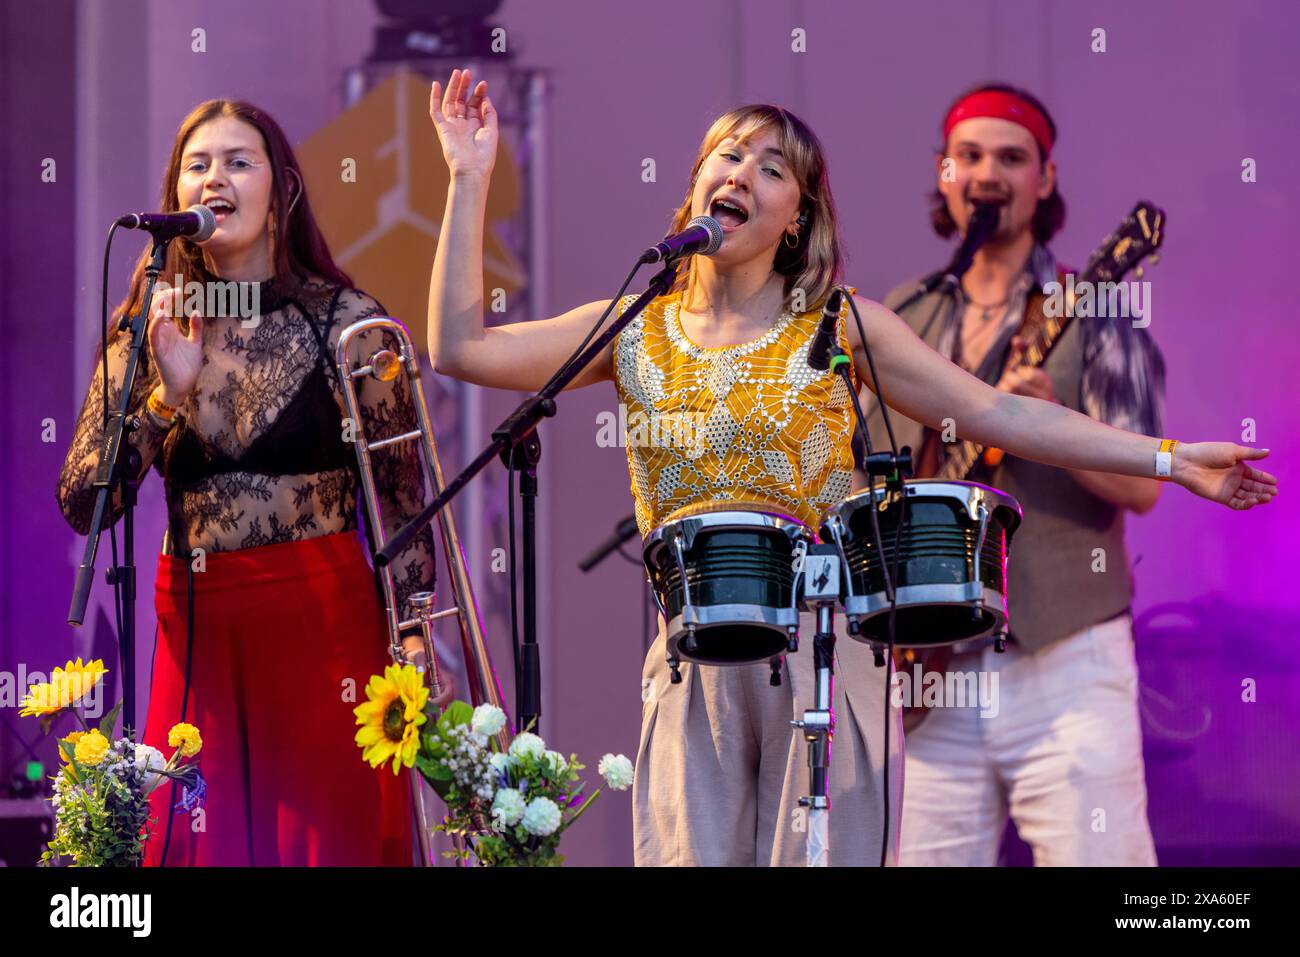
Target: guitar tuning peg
1154, 260
1137, 273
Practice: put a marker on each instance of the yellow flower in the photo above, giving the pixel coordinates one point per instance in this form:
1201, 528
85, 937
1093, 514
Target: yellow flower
91, 748
67, 686
186, 737
392, 716
71, 739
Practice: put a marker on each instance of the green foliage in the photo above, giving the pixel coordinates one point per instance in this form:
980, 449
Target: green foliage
109, 720
102, 815
457, 763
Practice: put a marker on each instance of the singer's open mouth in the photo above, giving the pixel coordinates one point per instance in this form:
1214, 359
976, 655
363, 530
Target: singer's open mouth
728, 215
221, 208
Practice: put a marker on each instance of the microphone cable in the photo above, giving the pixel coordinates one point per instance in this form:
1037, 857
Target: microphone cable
890, 576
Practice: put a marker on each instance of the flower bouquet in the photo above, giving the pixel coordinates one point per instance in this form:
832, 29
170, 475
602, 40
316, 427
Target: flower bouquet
506, 808
101, 794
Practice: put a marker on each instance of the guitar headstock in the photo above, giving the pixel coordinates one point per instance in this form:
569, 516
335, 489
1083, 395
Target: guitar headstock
1135, 239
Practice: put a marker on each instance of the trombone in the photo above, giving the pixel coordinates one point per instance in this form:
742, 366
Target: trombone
385, 365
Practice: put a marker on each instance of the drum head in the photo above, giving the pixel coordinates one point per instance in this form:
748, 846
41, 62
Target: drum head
732, 644
929, 626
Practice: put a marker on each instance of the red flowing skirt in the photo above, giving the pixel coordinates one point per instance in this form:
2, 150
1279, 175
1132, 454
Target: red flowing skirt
285, 640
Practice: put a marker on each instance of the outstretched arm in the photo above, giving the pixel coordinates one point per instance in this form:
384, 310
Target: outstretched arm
925, 386
1132, 492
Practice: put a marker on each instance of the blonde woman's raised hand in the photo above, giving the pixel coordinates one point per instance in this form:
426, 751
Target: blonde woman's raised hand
466, 122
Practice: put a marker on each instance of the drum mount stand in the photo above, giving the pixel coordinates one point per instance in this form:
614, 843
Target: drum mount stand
820, 565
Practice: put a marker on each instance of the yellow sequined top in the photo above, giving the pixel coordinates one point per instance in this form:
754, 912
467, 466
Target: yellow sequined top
749, 423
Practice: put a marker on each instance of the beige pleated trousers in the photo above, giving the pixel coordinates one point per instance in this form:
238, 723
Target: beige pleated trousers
719, 769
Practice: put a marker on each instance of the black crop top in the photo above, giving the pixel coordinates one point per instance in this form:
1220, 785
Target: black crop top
306, 437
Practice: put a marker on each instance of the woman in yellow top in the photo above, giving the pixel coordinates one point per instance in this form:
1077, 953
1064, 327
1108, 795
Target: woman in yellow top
719, 771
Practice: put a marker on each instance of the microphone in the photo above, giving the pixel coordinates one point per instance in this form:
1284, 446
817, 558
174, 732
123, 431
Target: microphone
624, 530
196, 223
819, 353
983, 223
702, 235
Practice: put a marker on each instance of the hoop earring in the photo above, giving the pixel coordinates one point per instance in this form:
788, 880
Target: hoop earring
297, 192
791, 245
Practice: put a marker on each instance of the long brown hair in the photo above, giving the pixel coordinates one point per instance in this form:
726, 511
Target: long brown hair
299, 250
815, 264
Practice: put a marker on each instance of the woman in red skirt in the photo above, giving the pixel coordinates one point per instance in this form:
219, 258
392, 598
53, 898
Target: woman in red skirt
269, 617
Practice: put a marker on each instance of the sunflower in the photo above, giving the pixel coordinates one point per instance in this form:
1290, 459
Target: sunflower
391, 718
67, 686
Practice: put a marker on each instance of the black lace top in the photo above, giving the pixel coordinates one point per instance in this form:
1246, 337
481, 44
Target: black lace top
259, 452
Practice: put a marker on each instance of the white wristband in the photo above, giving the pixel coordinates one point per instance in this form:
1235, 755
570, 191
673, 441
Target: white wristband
1164, 464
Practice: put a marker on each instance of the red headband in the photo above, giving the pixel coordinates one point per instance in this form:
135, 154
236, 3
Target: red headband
1002, 106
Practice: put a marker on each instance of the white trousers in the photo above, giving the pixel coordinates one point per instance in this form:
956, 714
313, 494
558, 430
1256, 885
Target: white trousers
1061, 751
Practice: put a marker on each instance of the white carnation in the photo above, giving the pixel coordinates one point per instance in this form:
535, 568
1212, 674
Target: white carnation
541, 817
508, 807
527, 744
149, 761
616, 769
488, 719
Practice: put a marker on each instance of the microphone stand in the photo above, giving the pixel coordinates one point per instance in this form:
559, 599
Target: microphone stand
895, 465
928, 285
119, 468
627, 528
622, 532
978, 231
516, 443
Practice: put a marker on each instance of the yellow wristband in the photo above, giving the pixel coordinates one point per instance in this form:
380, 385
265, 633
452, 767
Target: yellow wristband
160, 408
1165, 459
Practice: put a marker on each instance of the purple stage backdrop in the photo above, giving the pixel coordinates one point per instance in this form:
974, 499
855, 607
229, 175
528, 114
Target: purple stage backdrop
1182, 97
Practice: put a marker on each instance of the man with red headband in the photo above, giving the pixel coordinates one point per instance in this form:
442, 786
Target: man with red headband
1060, 747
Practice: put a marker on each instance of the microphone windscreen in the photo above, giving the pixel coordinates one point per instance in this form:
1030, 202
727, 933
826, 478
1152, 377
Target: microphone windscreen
715, 233
207, 222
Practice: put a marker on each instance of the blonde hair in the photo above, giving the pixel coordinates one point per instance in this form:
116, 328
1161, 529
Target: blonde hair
815, 264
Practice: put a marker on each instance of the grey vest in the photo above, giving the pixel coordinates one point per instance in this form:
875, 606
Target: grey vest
1052, 588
